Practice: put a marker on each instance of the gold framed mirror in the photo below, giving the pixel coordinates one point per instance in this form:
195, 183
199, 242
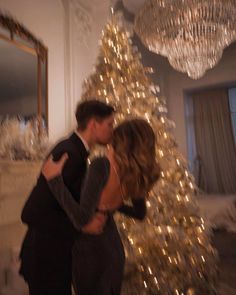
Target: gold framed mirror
23, 73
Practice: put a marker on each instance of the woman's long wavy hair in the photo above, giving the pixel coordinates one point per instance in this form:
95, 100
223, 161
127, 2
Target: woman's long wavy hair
134, 145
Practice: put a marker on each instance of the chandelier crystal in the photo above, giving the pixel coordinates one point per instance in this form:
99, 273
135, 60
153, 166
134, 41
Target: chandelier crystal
192, 34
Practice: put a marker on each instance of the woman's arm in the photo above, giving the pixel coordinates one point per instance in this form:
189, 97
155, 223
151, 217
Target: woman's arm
138, 210
80, 214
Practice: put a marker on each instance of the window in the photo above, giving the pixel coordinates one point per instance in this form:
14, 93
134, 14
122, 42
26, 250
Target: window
190, 130
232, 105
189, 116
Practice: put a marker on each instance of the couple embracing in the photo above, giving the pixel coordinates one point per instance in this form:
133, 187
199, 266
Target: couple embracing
72, 236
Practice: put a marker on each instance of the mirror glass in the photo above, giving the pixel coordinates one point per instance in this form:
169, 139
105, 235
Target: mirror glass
19, 81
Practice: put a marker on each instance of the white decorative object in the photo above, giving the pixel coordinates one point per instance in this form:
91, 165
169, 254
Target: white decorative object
219, 211
192, 34
21, 140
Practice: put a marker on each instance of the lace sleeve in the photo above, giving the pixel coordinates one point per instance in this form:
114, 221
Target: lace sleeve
95, 180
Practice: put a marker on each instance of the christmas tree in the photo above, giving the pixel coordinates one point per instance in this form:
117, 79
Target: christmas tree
169, 252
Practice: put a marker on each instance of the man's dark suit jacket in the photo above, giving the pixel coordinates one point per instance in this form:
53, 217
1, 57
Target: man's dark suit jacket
46, 249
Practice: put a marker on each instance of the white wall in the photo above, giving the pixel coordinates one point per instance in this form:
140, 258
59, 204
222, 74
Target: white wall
84, 23
176, 83
61, 24
45, 19
71, 59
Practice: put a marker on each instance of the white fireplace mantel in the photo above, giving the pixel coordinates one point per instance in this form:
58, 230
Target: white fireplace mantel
16, 181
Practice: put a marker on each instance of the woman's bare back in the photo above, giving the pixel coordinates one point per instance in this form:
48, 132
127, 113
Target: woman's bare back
112, 195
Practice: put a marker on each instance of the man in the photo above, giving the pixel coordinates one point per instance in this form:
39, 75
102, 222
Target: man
46, 250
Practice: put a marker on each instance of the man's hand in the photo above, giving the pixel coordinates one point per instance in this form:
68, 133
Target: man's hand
52, 169
95, 226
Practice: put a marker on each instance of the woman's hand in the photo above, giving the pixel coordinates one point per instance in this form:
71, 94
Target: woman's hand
96, 224
52, 169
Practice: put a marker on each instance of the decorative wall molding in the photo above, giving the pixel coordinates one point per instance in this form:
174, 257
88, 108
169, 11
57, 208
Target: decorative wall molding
82, 26
78, 27
82, 16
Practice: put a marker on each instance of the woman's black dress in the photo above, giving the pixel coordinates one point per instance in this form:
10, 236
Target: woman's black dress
98, 260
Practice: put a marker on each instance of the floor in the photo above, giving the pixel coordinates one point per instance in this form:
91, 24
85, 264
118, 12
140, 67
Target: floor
225, 243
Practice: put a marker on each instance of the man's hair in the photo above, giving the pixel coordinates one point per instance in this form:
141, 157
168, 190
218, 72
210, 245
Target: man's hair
92, 109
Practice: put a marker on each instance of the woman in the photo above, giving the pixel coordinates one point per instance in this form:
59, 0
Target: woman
127, 172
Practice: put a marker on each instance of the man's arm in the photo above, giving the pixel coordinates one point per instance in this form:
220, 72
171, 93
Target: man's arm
41, 209
40, 214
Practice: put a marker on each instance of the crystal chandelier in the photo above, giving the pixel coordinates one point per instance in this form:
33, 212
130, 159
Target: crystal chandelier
192, 34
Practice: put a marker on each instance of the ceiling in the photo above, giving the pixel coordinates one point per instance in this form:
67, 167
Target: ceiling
158, 62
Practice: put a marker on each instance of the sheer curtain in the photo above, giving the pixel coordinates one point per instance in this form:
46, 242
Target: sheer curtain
215, 145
